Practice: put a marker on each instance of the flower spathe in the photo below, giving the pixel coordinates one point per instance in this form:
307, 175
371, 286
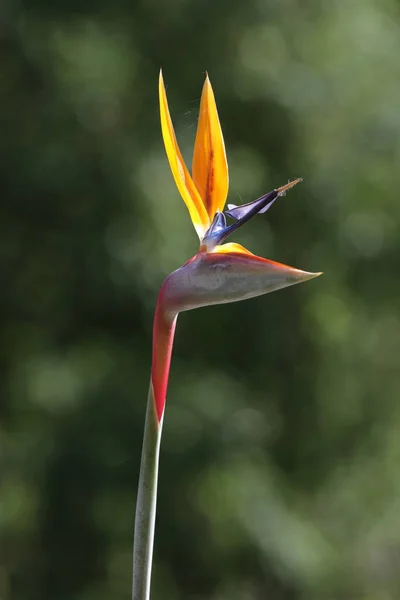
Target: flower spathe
219, 272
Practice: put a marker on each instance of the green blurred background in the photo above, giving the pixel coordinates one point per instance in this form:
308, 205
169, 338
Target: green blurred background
280, 457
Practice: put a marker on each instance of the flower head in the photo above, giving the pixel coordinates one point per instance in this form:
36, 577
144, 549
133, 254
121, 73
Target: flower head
219, 272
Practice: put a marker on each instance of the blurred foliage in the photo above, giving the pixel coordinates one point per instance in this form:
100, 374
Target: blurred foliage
280, 456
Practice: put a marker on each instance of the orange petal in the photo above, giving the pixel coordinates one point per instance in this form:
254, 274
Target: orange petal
231, 247
182, 177
210, 168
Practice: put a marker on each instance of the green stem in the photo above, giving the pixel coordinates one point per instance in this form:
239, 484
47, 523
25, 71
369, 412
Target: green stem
146, 503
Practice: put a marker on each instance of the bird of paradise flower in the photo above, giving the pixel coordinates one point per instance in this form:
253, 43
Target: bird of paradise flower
219, 273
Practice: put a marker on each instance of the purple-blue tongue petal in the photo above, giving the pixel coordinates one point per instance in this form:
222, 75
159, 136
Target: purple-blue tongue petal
219, 231
218, 224
259, 206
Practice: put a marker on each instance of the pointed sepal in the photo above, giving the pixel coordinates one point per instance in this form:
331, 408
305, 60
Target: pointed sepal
210, 167
183, 180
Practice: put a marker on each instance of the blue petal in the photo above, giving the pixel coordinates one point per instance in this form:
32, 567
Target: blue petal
259, 206
218, 224
219, 230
